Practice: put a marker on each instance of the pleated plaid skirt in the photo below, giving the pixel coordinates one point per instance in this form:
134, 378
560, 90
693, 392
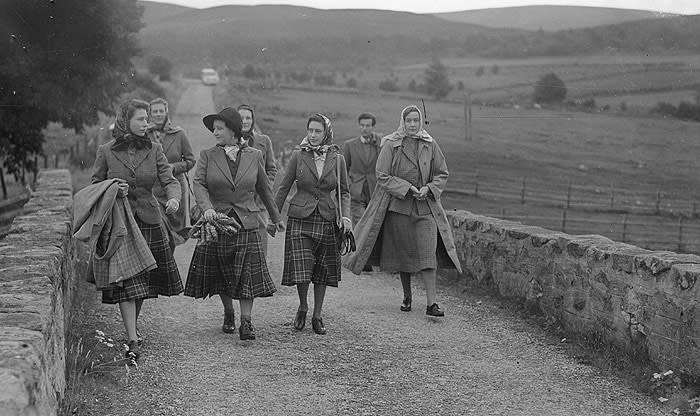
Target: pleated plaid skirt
310, 251
234, 266
164, 280
409, 243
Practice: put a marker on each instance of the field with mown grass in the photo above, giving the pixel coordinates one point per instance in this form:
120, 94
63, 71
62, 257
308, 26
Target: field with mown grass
631, 177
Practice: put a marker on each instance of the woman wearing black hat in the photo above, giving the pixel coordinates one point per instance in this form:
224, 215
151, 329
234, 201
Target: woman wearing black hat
226, 180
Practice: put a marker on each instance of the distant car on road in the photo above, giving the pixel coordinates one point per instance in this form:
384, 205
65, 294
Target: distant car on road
210, 76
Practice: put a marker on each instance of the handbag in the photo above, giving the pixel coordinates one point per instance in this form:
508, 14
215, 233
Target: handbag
346, 240
195, 211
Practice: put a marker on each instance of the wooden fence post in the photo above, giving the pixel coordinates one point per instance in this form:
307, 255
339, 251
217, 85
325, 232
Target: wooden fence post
468, 117
563, 221
658, 202
680, 233
2, 182
476, 183
612, 195
695, 209
522, 191
568, 195
624, 228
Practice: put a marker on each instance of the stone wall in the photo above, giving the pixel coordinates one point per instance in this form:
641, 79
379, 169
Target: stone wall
634, 298
36, 281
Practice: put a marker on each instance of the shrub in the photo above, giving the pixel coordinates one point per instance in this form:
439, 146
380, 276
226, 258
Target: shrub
158, 65
325, 80
549, 89
412, 86
479, 71
351, 83
388, 85
437, 83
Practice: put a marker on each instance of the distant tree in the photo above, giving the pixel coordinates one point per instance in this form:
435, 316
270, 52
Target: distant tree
495, 69
460, 86
437, 83
479, 71
351, 83
250, 72
324, 79
549, 89
412, 86
388, 85
61, 61
161, 66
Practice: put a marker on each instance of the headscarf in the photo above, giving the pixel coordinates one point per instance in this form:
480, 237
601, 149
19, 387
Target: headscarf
400, 133
123, 136
320, 151
253, 127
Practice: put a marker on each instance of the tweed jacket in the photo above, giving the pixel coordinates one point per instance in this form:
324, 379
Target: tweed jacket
263, 143
368, 231
361, 160
312, 191
118, 250
214, 188
149, 167
178, 151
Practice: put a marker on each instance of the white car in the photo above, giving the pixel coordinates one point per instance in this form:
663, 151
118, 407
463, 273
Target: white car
210, 76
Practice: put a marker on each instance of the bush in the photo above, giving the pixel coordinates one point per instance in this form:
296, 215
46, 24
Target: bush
494, 69
158, 65
549, 89
351, 83
460, 86
437, 83
479, 71
412, 86
665, 109
325, 80
388, 85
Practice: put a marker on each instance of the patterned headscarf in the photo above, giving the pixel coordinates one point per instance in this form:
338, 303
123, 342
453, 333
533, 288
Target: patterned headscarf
400, 133
327, 142
122, 134
253, 126
164, 128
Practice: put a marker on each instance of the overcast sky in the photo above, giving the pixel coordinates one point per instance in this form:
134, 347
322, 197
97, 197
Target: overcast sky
425, 6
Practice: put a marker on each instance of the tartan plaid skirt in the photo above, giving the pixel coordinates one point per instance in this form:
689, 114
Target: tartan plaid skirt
310, 251
164, 280
409, 243
234, 266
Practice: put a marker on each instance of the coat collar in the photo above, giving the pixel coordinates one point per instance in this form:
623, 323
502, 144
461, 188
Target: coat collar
139, 156
245, 163
331, 160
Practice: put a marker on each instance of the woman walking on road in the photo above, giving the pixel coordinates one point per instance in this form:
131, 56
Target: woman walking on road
404, 228
261, 142
311, 253
178, 151
140, 164
227, 178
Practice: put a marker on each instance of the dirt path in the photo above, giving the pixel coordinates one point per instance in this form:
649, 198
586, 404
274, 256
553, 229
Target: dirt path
375, 360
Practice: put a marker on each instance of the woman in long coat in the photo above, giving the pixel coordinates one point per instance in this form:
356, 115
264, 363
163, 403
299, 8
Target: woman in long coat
404, 228
226, 180
178, 151
263, 143
140, 164
311, 253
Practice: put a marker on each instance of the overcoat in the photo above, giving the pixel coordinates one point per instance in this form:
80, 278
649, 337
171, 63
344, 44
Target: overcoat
141, 171
215, 188
368, 231
361, 160
178, 151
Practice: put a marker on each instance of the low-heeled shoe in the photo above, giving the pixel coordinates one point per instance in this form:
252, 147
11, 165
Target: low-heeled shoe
300, 320
317, 325
434, 310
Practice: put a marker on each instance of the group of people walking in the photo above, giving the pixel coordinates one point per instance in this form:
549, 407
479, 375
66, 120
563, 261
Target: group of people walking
385, 190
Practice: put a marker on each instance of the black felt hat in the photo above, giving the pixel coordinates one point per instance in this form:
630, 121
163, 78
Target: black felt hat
229, 116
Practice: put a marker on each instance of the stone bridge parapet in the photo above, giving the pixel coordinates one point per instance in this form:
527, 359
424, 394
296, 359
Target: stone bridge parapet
637, 299
36, 284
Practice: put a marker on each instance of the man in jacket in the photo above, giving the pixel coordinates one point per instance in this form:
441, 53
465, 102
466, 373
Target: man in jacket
361, 158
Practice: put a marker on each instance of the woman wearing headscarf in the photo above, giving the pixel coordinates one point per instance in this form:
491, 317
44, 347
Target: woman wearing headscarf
178, 151
226, 180
140, 164
261, 142
311, 253
405, 228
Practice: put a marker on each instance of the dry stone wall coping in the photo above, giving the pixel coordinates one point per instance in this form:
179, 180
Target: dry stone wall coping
35, 287
635, 298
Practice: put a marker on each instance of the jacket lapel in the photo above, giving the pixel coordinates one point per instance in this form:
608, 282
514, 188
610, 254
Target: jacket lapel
140, 156
168, 140
308, 158
409, 155
245, 163
424, 157
123, 157
329, 165
219, 157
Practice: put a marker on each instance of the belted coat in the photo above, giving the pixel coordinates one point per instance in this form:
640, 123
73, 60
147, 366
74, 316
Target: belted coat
368, 231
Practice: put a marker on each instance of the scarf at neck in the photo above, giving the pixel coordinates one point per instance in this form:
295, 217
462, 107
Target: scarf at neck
232, 150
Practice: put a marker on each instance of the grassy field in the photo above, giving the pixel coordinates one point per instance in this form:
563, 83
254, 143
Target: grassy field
636, 160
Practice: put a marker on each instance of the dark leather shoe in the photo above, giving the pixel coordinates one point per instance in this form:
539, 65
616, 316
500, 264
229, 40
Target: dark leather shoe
406, 305
300, 320
229, 325
132, 351
434, 310
367, 268
247, 330
317, 325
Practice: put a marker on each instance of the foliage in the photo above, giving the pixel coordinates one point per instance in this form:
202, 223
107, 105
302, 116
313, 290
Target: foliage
479, 71
437, 83
495, 69
460, 85
161, 66
62, 61
684, 111
549, 89
351, 83
412, 86
324, 79
389, 85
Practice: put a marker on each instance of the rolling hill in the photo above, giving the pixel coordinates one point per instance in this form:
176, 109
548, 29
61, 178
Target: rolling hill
154, 11
549, 18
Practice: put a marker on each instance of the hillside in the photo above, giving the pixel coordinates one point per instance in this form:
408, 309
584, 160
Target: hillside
154, 11
549, 18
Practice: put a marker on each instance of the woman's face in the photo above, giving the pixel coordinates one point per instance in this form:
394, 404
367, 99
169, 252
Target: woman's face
412, 121
247, 118
315, 132
158, 113
139, 122
223, 134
